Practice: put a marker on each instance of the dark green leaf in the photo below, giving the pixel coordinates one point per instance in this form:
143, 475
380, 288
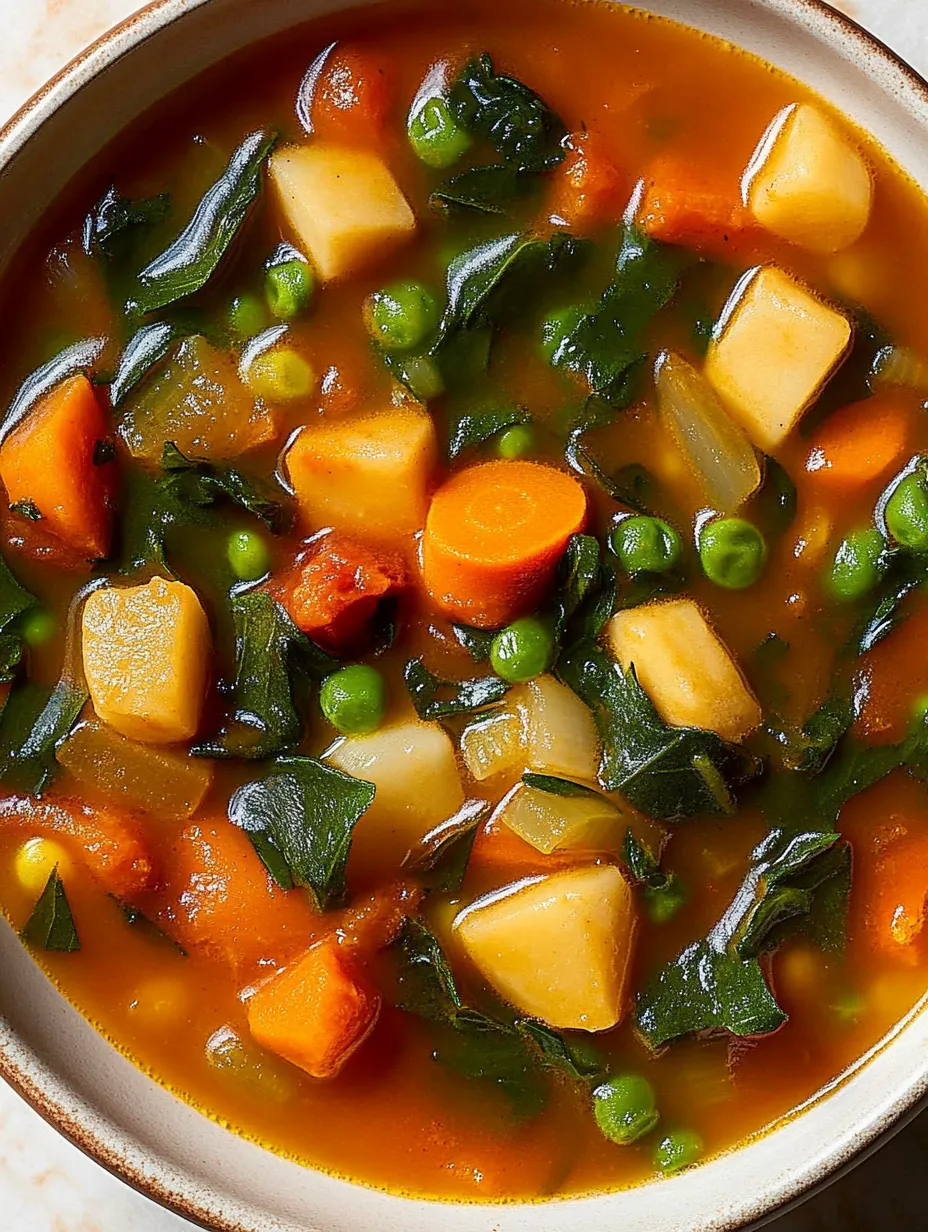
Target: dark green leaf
440, 859
434, 698
642, 863
426, 984
476, 427
114, 225
555, 786
883, 610
198, 482
576, 1057
809, 748
478, 1047
189, 262
309, 810
487, 190
476, 642
35, 721
629, 486
773, 506
27, 509
579, 573
51, 924
272, 859
14, 598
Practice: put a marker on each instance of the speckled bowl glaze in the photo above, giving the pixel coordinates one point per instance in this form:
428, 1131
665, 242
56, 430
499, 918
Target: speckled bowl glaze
69, 1073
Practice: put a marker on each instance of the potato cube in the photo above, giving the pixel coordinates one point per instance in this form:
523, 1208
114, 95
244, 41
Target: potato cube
556, 947
807, 183
415, 771
369, 476
559, 731
774, 348
343, 205
146, 652
684, 668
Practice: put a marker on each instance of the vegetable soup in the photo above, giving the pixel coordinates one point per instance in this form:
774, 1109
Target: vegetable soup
461, 616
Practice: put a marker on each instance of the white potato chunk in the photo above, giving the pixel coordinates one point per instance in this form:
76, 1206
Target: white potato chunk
369, 476
684, 667
414, 769
807, 183
559, 731
343, 205
557, 947
552, 822
494, 744
774, 348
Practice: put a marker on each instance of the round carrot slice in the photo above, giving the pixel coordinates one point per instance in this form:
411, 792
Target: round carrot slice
493, 537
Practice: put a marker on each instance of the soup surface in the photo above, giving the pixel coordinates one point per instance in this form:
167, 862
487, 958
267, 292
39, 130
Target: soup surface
466, 506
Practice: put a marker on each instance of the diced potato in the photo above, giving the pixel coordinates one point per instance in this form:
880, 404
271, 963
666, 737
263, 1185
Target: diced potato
551, 822
146, 653
557, 947
343, 205
560, 735
145, 778
494, 744
774, 348
414, 769
369, 476
199, 402
685, 669
807, 183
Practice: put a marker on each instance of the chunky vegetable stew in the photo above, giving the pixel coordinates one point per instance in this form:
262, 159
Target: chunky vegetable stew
462, 621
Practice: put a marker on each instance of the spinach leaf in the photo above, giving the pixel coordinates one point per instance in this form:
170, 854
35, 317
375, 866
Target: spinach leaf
668, 772
607, 344
113, 226
487, 190
144, 350
773, 505
476, 427
425, 982
476, 642
35, 721
51, 925
270, 856
189, 262
883, 609
15, 600
576, 1057
309, 811
440, 859
434, 698
809, 748
664, 894
197, 482
265, 721
632, 485
477, 1046
555, 786
79, 358
578, 575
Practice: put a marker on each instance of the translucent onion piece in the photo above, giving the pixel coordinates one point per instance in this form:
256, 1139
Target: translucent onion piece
551, 822
493, 744
896, 366
715, 447
560, 735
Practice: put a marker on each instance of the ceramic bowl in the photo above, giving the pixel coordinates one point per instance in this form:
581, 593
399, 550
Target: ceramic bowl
75, 1079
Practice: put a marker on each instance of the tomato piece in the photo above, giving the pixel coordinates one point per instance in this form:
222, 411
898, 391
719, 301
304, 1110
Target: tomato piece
352, 98
589, 189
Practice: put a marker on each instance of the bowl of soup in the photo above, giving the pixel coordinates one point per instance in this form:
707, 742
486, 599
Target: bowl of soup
465, 511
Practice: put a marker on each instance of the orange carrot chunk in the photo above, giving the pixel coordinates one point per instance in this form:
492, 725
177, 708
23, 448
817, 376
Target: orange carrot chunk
588, 187
493, 537
499, 851
691, 205
895, 891
111, 844
317, 1013
352, 98
860, 443
48, 461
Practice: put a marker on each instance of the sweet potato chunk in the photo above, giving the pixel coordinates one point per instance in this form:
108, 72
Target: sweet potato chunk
146, 652
317, 1013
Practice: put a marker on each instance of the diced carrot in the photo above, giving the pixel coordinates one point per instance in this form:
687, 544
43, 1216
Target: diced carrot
111, 844
497, 849
589, 189
860, 443
689, 205
218, 897
317, 1013
374, 922
34, 541
352, 98
493, 537
892, 677
890, 890
333, 590
48, 461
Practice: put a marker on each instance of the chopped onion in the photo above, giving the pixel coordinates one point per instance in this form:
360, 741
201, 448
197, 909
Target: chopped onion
560, 734
715, 447
552, 822
899, 366
494, 744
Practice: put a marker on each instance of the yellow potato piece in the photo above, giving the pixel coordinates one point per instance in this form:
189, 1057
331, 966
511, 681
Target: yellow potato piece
145, 653
807, 183
774, 348
415, 771
684, 668
558, 947
369, 476
343, 205
559, 731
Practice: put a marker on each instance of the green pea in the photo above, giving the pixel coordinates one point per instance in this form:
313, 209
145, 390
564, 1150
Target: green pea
907, 513
646, 545
354, 699
858, 565
247, 316
679, 1149
422, 377
280, 375
248, 555
523, 650
38, 627
516, 442
663, 903
435, 136
625, 1108
732, 553
288, 288
556, 327
402, 316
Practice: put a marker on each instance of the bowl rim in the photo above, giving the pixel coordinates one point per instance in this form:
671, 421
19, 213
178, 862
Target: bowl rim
18, 1061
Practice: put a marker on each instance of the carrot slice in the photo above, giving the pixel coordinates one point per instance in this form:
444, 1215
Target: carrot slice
860, 443
892, 891
317, 1013
497, 849
589, 189
892, 675
352, 98
48, 460
333, 592
696, 208
111, 844
493, 537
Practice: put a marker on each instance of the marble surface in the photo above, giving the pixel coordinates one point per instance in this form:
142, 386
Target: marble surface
46, 1185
